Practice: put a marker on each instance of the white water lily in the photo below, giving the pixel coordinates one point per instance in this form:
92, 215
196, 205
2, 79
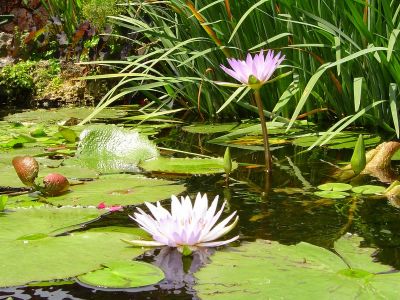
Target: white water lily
186, 225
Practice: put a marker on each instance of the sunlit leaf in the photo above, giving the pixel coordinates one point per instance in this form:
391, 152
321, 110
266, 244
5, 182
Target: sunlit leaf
368, 189
260, 269
187, 165
124, 274
335, 186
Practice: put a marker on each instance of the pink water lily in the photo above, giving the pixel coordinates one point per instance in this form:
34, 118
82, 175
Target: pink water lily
261, 67
186, 225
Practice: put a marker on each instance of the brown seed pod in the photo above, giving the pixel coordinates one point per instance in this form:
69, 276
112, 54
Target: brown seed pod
27, 169
55, 184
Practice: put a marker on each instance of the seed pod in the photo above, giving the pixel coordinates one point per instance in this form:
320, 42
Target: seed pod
55, 184
27, 169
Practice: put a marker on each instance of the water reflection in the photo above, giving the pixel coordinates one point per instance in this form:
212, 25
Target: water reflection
179, 269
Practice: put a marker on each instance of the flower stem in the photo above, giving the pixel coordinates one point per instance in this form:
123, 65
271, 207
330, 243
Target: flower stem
268, 160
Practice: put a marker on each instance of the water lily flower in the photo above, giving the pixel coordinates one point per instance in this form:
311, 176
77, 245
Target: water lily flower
254, 72
187, 226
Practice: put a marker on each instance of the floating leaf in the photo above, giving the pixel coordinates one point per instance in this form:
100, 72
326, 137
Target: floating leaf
213, 128
186, 165
109, 148
340, 141
334, 186
118, 189
358, 159
60, 114
259, 270
61, 257
126, 274
331, 194
3, 202
368, 189
68, 134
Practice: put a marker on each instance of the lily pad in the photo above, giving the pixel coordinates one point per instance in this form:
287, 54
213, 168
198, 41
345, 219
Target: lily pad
109, 148
32, 251
16, 225
331, 194
341, 141
335, 186
368, 189
213, 128
261, 269
118, 189
186, 165
62, 114
50, 258
126, 274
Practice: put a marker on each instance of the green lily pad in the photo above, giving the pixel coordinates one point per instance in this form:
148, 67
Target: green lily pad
341, 141
335, 186
126, 274
61, 114
368, 189
117, 189
32, 251
50, 258
16, 225
259, 270
331, 194
213, 128
186, 165
109, 148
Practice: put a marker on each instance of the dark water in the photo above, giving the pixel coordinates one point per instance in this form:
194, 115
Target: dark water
270, 207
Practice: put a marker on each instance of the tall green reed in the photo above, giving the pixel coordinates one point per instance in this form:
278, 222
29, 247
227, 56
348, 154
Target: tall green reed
344, 55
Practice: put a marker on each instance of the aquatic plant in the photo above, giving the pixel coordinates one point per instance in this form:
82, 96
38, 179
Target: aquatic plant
27, 169
254, 73
55, 184
187, 227
337, 49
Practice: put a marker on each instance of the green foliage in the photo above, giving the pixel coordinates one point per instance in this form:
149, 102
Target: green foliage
117, 189
345, 56
187, 165
109, 148
97, 11
262, 268
16, 81
124, 274
19, 82
358, 159
34, 252
68, 10
3, 202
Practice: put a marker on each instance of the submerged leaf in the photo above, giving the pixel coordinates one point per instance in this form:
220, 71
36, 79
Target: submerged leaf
331, 194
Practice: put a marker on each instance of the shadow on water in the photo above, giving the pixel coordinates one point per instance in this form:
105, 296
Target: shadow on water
279, 207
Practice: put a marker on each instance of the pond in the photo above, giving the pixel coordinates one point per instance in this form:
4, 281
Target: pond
280, 207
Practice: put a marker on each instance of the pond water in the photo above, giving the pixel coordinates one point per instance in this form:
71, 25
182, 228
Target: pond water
270, 207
